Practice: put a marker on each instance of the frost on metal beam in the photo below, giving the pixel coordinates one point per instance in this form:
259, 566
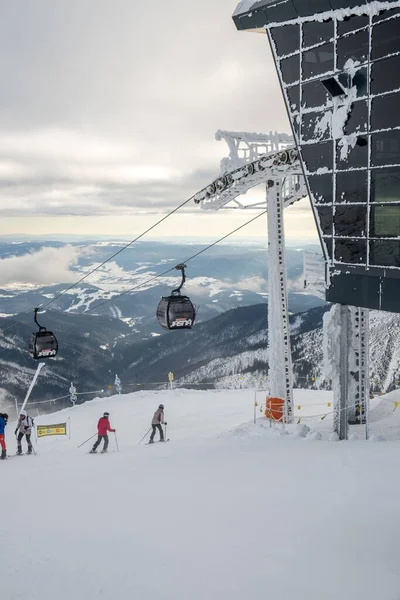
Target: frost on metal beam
284, 165
245, 147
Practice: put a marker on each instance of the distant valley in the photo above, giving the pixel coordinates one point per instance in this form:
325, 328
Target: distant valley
95, 343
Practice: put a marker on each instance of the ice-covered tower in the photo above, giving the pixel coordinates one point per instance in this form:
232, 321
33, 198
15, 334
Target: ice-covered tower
270, 159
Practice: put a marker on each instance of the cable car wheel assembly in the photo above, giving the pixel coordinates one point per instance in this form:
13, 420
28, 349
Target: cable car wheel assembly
43, 343
176, 312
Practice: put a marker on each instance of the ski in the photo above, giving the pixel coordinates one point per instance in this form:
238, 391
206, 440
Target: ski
15, 455
23, 454
156, 442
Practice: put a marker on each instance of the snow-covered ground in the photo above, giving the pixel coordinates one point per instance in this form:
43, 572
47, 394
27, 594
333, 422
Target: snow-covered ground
225, 510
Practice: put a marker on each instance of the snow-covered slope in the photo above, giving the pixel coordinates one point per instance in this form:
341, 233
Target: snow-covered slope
249, 359
384, 349
229, 351
226, 509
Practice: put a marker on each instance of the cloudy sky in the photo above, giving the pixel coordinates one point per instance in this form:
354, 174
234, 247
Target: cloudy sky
108, 112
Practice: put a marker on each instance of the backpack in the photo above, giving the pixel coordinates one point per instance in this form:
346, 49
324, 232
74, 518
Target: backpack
28, 422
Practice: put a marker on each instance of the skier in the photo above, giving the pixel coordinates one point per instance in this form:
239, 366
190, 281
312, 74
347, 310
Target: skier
102, 427
24, 425
3, 423
158, 420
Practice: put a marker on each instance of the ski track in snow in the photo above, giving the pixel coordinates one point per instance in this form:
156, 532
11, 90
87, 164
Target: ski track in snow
227, 509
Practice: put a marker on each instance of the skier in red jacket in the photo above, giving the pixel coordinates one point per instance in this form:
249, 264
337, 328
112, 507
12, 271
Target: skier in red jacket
103, 426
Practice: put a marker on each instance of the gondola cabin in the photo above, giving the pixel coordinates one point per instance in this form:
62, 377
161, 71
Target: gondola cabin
176, 312
43, 344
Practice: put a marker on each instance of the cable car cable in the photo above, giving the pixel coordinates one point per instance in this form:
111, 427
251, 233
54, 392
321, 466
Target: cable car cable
16, 322
115, 254
2, 331
173, 268
104, 262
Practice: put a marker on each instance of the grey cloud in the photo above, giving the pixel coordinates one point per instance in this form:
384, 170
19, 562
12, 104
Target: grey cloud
45, 196
48, 265
112, 107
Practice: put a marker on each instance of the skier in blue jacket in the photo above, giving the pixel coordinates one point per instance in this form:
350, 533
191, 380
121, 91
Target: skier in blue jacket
3, 423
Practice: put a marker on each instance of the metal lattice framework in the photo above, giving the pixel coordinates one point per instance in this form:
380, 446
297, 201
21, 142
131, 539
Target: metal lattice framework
247, 147
247, 166
280, 171
224, 191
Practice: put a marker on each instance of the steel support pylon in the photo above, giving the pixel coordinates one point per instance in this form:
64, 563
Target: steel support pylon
364, 366
359, 366
279, 347
340, 420
349, 356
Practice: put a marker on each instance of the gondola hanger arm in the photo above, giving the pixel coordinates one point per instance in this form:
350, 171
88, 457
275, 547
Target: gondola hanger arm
181, 267
41, 328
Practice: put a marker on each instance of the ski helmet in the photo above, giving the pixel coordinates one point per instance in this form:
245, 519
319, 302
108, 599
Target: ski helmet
5, 417
106, 414
22, 413
161, 406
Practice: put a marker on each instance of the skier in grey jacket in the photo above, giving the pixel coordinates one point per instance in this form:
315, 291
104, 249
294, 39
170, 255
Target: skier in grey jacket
157, 422
24, 426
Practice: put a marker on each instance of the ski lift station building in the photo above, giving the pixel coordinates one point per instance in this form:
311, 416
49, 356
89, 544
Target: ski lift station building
338, 63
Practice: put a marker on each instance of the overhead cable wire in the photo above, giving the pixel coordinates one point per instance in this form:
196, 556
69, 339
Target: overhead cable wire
15, 323
139, 285
115, 254
142, 283
13, 344
101, 265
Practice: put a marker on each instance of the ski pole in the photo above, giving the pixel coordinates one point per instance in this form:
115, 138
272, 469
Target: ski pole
165, 434
33, 448
116, 440
144, 436
87, 440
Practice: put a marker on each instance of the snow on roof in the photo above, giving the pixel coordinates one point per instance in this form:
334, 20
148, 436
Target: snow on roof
244, 6
372, 8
